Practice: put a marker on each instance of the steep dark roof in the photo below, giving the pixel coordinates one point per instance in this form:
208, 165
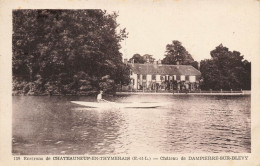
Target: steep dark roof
164, 69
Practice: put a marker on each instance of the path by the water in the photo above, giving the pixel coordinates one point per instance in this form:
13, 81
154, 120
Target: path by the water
243, 93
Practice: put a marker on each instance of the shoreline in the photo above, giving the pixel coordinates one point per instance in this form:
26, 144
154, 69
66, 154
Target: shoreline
168, 93
243, 93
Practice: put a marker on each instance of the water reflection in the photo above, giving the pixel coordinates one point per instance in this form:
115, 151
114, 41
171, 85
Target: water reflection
53, 125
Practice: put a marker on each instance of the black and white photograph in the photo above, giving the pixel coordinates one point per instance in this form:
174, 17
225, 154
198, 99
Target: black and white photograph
149, 79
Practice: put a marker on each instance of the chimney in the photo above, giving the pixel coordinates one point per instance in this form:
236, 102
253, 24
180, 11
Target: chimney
159, 62
125, 61
198, 65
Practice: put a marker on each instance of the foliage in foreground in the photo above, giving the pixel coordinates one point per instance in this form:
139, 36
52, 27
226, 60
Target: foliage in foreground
66, 52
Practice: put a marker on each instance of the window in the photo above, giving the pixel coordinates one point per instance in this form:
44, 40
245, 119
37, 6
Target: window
138, 76
133, 81
186, 78
153, 77
178, 77
192, 79
162, 77
158, 77
144, 85
182, 78
131, 73
144, 77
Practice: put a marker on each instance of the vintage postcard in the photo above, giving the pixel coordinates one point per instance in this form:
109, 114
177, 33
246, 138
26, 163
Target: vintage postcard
129, 82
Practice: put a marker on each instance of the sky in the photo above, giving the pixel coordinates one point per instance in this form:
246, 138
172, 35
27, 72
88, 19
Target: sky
200, 27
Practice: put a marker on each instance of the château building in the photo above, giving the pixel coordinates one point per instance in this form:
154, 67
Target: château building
157, 76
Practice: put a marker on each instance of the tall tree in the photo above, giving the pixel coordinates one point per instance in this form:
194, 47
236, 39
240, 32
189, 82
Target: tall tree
148, 58
226, 70
65, 51
137, 58
175, 52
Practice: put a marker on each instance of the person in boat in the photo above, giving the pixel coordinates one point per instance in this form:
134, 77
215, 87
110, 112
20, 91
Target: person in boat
99, 97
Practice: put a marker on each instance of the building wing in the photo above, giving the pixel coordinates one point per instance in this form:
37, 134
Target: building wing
155, 69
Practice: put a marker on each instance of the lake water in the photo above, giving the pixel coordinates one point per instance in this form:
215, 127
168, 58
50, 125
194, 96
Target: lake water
189, 124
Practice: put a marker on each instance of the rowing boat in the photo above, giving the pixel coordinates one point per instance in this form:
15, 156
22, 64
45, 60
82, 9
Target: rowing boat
117, 105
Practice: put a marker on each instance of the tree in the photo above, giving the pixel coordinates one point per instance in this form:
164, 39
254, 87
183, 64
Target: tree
148, 58
67, 50
137, 58
175, 52
246, 78
195, 64
225, 70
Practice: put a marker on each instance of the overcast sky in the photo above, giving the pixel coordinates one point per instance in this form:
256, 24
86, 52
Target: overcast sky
199, 26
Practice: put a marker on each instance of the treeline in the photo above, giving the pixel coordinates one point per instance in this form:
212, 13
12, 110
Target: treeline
66, 52
175, 54
225, 70
77, 52
146, 58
